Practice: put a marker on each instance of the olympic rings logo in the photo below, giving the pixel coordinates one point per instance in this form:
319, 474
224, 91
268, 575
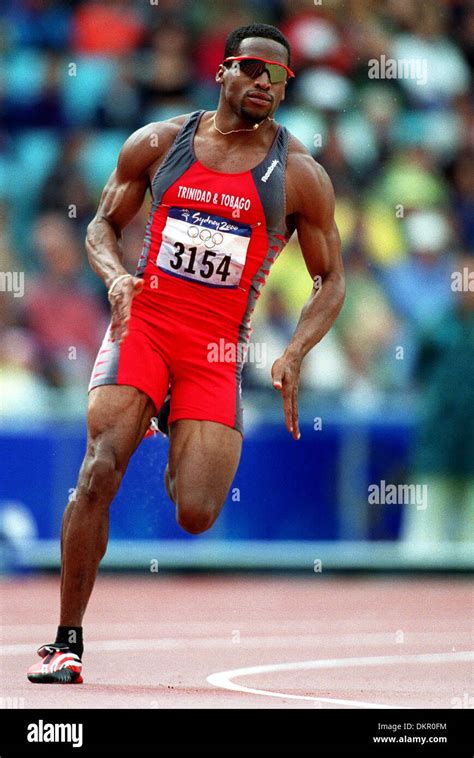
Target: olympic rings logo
209, 238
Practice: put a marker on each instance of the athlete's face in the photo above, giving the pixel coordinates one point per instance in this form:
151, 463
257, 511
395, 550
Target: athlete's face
253, 99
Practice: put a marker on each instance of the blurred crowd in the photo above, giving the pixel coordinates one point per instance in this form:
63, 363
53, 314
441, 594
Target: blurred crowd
76, 78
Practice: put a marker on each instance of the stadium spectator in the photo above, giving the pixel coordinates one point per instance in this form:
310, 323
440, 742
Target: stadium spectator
463, 199
366, 328
108, 27
65, 319
65, 188
444, 453
418, 287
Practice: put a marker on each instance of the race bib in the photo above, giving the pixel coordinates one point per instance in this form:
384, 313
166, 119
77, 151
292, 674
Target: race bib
203, 248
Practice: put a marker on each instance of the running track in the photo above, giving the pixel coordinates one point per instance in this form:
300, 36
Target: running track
168, 641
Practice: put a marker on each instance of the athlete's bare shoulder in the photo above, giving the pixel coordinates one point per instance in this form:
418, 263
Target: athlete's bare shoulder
306, 180
143, 151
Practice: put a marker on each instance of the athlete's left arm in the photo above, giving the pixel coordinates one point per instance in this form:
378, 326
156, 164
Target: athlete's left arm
310, 201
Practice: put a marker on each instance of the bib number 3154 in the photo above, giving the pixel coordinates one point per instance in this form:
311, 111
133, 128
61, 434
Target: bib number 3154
204, 248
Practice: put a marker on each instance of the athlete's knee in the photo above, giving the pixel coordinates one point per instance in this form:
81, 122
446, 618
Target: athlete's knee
196, 517
100, 477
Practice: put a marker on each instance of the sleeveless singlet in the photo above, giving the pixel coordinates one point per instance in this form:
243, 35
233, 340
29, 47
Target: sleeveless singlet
209, 244
212, 237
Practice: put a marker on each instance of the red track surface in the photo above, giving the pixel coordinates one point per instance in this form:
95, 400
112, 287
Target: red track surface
152, 642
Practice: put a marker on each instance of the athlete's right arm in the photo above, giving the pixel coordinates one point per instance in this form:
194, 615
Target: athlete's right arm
121, 199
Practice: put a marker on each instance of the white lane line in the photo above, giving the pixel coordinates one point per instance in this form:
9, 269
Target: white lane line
172, 643
251, 641
224, 679
223, 642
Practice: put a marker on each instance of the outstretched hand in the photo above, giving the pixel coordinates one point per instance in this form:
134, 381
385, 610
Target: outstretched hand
286, 377
121, 303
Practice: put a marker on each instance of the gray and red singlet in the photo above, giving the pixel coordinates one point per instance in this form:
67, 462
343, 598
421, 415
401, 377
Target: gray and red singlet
210, 241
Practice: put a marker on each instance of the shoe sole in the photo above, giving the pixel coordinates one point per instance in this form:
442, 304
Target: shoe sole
64, 676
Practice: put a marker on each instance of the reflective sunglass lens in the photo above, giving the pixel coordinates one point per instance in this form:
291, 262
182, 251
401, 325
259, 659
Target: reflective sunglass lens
252, 68
255, 68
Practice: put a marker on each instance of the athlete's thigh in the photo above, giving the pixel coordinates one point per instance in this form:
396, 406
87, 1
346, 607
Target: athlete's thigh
203, 459
117, 418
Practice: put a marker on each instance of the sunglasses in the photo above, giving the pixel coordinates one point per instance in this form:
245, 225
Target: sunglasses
254, 67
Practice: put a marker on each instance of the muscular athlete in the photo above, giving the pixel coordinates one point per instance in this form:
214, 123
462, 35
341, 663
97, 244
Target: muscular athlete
228, 190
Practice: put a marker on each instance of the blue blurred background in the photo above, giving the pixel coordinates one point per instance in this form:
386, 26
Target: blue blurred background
387, 395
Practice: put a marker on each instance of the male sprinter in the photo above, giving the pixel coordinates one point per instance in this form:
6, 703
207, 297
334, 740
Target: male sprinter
229, 189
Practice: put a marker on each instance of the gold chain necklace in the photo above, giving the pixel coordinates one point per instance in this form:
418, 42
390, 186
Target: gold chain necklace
232, 131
